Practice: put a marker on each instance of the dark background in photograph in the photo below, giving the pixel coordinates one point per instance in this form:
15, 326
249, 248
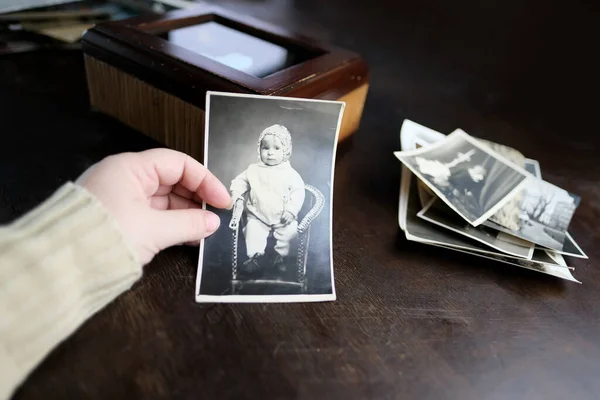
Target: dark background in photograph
235, 124
499, 179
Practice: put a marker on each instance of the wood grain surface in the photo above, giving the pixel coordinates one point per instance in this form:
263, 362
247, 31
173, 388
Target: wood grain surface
411, 321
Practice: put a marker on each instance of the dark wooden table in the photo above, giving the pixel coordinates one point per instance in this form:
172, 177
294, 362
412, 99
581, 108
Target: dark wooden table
411, 321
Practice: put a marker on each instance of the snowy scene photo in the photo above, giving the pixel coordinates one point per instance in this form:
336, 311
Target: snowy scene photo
545, 213
545, 216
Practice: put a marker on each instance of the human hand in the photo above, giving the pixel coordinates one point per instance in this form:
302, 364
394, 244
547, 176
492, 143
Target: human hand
287, 217
156, 196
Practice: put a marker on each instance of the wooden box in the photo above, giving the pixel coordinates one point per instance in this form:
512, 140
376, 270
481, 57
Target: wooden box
152, 72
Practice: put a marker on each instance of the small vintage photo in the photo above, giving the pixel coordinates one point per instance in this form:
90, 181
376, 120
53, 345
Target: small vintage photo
468, 176
544, 215
276, 156
419, 230
508, 214
436, 212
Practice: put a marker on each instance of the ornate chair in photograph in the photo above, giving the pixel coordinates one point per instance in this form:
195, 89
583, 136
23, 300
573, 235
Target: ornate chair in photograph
312, 208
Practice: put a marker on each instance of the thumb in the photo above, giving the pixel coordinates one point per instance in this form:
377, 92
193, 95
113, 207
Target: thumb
174, 227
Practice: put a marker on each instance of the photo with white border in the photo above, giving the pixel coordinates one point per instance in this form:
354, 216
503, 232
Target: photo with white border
468, 176
276, 155
439, 214
418, 230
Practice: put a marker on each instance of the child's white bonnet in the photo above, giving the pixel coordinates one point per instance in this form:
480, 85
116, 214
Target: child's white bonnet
284, 136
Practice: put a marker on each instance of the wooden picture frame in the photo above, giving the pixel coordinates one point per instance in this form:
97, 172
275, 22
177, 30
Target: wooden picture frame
159, 88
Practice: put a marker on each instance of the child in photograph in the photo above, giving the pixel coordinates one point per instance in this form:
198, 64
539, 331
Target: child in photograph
272, 192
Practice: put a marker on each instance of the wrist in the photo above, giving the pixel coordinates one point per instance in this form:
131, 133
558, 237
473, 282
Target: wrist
77, 262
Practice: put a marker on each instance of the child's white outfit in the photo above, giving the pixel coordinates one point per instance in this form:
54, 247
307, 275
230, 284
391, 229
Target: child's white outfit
269, 192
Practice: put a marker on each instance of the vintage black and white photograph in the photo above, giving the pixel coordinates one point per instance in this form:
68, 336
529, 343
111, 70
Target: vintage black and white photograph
472, 179
419, 230
276, 156
436, 212
545, 213
508, 214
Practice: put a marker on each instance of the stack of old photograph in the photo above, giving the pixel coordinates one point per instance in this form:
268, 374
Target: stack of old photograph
483, 198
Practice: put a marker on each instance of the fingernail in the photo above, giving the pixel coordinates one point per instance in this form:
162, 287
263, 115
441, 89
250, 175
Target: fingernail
212, 222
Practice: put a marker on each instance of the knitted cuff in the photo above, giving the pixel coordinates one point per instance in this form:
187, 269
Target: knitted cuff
59, 264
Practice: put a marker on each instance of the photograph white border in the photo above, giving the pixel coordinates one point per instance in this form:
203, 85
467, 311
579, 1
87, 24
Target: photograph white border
566, 253
550, 252
562, 271
462, 134
536, 166
412, 134
293, 298
404, 196
421, 214
507, 231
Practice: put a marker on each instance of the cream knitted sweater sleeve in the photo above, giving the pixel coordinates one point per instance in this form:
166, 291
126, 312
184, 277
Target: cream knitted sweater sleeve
59, 264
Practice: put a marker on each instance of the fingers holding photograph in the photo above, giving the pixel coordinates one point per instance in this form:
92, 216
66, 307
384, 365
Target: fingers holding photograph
468, 176
276, 155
